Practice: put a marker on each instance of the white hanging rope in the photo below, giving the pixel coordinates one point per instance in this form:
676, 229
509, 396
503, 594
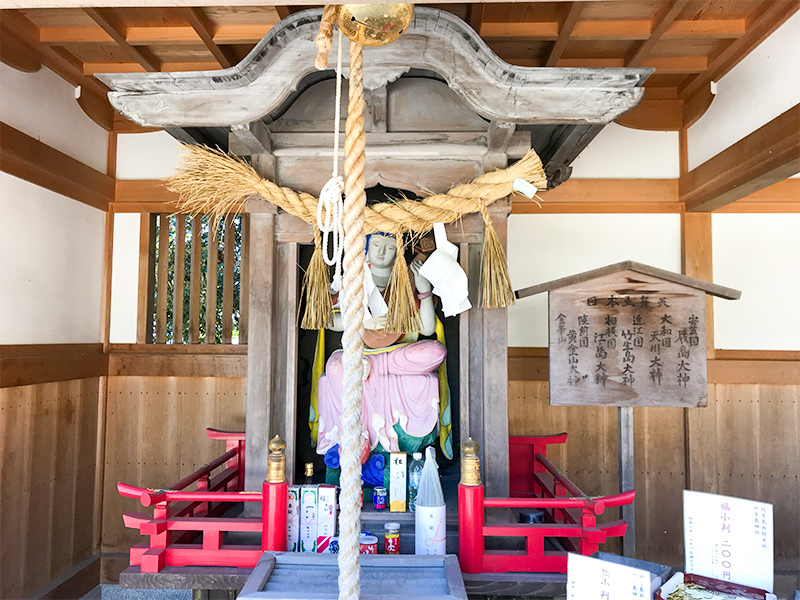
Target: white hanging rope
331, 206
353, 336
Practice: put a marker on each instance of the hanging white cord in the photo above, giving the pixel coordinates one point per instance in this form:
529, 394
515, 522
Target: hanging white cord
330, 198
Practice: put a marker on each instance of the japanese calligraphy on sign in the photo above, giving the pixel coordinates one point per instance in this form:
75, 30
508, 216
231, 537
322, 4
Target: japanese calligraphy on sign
627, 339
730, 539
593, 579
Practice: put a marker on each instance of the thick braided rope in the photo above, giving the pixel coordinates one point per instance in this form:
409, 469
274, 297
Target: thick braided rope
209, 181
353, 337
325, 37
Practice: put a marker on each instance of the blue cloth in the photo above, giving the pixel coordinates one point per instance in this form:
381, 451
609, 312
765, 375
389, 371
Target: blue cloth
372, 470
331, 458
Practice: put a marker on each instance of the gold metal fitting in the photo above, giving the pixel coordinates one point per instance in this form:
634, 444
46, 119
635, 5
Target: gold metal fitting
374, 24
276, 461
309, 469
470, 463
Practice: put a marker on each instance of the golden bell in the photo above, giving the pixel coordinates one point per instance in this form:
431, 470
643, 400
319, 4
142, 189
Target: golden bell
374, 24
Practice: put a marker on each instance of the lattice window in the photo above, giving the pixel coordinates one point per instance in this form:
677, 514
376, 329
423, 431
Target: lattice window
186, 254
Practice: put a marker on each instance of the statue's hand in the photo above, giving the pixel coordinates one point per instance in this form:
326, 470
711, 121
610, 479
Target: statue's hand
423, 285
375, 323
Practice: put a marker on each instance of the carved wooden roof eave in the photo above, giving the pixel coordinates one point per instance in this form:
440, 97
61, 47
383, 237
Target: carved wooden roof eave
437, 41
630, 265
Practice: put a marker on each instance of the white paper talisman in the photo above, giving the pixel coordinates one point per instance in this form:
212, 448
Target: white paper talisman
593, 579
430, 534
728, 538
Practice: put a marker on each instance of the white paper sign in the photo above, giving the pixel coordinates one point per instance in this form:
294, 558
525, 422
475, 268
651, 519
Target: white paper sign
593, 579
729, 539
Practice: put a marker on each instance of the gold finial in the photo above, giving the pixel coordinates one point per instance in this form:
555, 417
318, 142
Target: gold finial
470, 463
276, 444
309, 469
276, 461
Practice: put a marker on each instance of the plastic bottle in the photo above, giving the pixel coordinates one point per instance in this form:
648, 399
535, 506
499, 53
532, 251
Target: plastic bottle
430, 535
414, 477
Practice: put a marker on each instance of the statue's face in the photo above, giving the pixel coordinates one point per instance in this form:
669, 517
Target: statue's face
381, 251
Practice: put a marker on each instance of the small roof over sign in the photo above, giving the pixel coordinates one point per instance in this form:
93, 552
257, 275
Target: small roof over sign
629, 265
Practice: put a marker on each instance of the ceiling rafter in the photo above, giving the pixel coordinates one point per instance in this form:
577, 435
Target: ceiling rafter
663, 23
15, 26
772, 17
283, 11
106, 19
202, 25
573, 14
475, 13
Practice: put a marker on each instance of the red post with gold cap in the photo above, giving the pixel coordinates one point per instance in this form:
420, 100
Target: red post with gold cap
470, 510
275, 499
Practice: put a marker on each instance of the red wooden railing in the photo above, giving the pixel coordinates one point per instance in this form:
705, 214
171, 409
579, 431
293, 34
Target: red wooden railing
570, 515
180, 516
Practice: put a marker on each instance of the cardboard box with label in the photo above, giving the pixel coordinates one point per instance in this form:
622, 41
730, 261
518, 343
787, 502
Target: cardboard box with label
309, 505
398, 480
326, 517
293, 519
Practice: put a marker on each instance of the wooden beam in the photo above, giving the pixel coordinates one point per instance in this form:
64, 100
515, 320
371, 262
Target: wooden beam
173, 35
627, 29
604, 196
768, 155
781, 197
696, 261
772, 17
283, 11
195, 361
90, 68
143, 196
475, 12
29, 159
106, 19
654, 115
205, 30
16, 54
663, 23
28, 364
573, 14
16, 28
249, 139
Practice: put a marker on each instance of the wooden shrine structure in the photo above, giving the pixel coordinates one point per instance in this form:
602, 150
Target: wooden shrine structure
443, 108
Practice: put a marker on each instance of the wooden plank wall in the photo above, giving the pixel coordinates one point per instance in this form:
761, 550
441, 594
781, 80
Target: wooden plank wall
746, 443
47, 476
155, 435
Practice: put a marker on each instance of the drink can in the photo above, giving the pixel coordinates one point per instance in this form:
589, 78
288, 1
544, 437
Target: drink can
379, 497
391, 538
368, 544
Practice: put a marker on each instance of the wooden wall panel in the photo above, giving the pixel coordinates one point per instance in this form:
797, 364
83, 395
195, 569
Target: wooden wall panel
156, 435
746, 443
47, 469
659, 477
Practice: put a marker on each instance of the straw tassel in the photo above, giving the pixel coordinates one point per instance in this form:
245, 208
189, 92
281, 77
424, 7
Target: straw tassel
316, 290
496, 289
402, 316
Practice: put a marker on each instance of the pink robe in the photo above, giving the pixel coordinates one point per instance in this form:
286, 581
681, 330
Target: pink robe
402, 387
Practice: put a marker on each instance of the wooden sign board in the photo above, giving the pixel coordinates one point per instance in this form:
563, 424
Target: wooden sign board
627, 339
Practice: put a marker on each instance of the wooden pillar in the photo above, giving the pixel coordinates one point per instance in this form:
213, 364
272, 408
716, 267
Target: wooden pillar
261, 261
488, 371
284, 353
